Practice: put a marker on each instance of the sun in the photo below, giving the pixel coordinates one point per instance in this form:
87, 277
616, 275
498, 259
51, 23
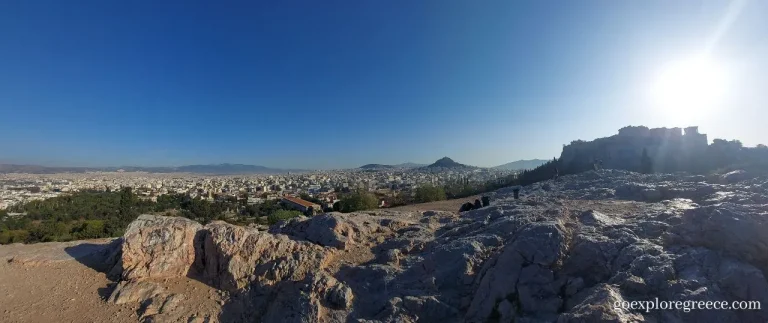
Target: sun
689, 88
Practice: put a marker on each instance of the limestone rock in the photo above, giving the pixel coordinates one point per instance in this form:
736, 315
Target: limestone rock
566, 252
235, 256
598, 306
158, 247
134, 292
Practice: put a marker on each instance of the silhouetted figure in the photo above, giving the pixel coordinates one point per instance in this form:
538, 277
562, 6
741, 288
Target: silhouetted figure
466, 207
516, 191
477, 204
557, 174
486, 201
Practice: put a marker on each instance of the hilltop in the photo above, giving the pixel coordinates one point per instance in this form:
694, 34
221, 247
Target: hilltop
446, 162
566, 251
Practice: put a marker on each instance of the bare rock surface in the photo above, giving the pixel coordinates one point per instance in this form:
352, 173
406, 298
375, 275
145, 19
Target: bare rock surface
566, 251
158, 247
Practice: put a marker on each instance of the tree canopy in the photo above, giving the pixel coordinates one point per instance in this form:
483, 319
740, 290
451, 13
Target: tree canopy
357, 201
429, 193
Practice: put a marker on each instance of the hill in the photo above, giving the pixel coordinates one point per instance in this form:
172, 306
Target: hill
382, 166
409, 165
522, 164
217, 169
667, 150
376, 166
446, 162
566, 251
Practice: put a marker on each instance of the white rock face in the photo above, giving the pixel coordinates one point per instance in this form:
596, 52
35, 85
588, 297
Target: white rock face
566, 251
158, 247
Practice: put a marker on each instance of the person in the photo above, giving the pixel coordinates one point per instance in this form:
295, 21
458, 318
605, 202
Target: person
477, 204
516, 191
557, 174
466, 207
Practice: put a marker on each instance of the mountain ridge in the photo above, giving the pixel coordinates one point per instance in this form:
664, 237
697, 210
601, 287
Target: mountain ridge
214, 169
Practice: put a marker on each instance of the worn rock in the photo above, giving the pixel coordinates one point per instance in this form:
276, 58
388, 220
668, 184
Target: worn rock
157, 247
134, 292
566, 251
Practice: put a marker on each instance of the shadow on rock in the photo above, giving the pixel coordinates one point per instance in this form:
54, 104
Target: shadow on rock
104, 258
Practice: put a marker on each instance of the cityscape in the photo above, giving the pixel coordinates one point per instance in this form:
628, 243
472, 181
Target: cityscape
19, 188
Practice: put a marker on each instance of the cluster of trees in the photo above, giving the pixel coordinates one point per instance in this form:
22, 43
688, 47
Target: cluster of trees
429, 193
356, 201
90, 214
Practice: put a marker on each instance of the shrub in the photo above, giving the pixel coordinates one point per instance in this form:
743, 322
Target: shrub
429, 193
358, 201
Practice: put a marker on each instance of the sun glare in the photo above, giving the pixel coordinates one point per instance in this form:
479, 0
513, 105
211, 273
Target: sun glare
689, 88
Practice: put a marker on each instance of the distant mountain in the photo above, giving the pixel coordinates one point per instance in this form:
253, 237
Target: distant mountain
222, 169
217, 169
522, 164
409, 165
446, 162
37, 169
376, 166
382, 166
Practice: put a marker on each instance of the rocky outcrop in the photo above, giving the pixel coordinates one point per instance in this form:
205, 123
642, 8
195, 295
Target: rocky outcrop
158, 247
233, 257
566, 251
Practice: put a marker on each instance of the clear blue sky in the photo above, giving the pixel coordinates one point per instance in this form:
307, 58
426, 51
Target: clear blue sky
324, 84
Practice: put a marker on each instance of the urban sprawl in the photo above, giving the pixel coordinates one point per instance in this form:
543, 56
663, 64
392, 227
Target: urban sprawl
325, 186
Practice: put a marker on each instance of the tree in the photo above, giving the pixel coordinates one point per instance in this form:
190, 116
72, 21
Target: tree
358, 201
646, 164
429, 193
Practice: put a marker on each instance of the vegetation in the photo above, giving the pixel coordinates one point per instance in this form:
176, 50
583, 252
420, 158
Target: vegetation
542, 173
280, 215
429, 193
90, 215
356, 201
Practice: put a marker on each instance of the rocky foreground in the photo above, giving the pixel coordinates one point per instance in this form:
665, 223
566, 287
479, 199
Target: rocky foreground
566, 251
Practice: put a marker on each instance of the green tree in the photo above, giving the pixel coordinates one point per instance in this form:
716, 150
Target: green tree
429, 193
358, 201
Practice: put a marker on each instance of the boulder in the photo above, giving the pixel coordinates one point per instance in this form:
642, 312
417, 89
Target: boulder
158, 247
235, 256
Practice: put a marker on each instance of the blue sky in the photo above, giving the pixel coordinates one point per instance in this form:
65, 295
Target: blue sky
325, 84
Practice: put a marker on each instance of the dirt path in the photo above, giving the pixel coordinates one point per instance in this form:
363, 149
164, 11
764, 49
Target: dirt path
447, 205
48, 282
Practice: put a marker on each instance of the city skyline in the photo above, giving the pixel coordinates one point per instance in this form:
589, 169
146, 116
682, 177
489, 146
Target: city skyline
340, 85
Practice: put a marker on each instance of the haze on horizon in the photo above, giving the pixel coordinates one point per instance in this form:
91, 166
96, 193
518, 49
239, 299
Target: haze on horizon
343, 84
